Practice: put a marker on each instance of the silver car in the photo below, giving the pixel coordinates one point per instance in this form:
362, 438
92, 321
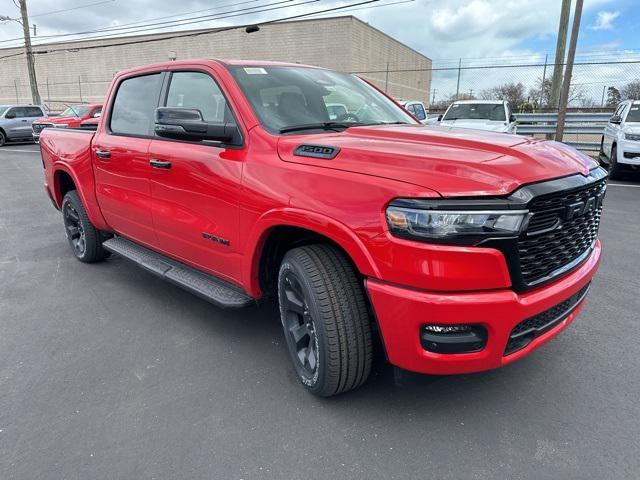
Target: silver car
16, 120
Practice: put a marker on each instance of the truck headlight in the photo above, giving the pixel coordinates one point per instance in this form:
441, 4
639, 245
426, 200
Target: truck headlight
632, 136
461, 225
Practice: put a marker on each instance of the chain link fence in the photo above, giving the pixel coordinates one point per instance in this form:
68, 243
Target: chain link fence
596, 85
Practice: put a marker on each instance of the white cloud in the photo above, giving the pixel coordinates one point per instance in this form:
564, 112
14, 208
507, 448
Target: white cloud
604, 20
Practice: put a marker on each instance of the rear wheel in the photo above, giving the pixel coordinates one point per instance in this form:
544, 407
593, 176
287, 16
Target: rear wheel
325, 318
615, 171
85, 240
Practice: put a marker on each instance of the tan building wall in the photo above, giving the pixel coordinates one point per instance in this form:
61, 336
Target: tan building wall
341, 43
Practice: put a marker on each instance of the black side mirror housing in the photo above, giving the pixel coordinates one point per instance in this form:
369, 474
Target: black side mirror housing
10, 115
512, 118
187, 124
615, 119
439, 118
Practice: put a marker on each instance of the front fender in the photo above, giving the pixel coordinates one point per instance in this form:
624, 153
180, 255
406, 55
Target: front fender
315, 222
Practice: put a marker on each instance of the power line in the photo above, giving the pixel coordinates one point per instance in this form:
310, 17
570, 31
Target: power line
71, 8
171, 23
202, 32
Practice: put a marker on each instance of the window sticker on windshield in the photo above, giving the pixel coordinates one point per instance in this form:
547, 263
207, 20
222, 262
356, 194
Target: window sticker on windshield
255, 71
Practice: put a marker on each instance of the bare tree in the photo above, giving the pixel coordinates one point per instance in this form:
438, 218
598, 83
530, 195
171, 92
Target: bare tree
631, 91
511, 92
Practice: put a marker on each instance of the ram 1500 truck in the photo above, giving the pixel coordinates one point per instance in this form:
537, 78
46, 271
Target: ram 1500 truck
462, 251
72, 117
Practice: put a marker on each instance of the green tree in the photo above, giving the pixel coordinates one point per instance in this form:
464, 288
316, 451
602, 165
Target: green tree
613, 97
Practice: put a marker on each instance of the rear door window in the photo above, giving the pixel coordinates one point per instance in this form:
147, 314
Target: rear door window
419, 111
134, 107
34, 112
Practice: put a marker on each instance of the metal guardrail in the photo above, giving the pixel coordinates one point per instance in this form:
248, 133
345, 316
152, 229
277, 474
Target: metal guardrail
575, 123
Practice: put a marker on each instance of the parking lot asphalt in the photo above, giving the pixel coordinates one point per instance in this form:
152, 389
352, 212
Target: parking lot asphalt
107, 372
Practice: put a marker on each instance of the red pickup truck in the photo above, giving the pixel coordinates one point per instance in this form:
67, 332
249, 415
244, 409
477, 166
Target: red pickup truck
460, 251
72, 117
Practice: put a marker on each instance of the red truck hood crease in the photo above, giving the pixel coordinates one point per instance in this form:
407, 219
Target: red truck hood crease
453, 163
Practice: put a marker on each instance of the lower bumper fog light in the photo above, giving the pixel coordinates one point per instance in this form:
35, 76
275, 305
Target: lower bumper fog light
453, 338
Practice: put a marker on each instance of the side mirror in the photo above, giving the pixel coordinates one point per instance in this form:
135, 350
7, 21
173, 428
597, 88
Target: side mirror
439, 118
512, 118
10, 115
616, 119
187, 124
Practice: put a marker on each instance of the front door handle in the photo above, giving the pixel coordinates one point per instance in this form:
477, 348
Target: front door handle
160, 164
104, 154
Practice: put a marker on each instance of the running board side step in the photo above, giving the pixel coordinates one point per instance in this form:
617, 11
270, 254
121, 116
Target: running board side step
208, 287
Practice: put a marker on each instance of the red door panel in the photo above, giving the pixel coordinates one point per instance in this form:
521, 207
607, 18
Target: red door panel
195, 205
122, 185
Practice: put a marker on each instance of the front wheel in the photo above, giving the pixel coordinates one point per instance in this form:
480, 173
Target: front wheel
615, 170
85, 239
3, 139
326, 320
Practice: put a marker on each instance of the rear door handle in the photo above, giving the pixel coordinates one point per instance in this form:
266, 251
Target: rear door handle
160, 164
104, 154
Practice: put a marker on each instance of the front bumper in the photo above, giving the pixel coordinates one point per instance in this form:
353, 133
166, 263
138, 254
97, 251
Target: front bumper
629, 152
401, 313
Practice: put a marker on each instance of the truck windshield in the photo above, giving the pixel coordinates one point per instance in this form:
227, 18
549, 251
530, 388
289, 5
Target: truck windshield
75, 111
476, 111
633, 116
285, 98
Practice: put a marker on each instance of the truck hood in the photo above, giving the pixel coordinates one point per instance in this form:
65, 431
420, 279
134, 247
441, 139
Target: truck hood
486, 125
448, 161
56, 120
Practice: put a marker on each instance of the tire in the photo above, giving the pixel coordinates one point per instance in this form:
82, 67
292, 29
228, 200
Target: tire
601, 155
3, 139
85, 240
325, 317
615, 171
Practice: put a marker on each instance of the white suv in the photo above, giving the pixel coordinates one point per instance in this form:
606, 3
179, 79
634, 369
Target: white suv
490, 115
620, 145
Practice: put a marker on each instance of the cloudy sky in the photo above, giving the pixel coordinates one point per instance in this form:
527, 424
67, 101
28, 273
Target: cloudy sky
479, 31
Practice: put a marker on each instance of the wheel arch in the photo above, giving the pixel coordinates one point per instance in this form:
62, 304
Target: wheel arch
64, 180
277, 232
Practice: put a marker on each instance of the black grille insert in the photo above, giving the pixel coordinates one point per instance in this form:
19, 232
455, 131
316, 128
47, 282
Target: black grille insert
552, 242
524, 332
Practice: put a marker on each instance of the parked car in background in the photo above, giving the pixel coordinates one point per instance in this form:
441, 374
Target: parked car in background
337, 111
415, 108
227, 178
490, 115
620, 145
16, 120
72, 117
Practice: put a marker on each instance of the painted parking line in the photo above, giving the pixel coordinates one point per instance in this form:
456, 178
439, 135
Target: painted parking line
17, 151
623, 185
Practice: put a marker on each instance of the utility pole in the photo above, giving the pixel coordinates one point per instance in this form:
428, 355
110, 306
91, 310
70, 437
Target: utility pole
564, 95
458, 85
561, 43
433, 97
35, 95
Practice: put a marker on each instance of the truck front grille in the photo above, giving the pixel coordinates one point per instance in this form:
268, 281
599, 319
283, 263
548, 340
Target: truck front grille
524, 332
38, 127
562, 229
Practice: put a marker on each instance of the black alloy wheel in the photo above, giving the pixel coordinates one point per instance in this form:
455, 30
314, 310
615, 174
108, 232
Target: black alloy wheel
75, 230
299, 327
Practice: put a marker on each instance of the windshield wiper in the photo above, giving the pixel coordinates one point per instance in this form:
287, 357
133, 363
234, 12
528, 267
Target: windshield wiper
320, 126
